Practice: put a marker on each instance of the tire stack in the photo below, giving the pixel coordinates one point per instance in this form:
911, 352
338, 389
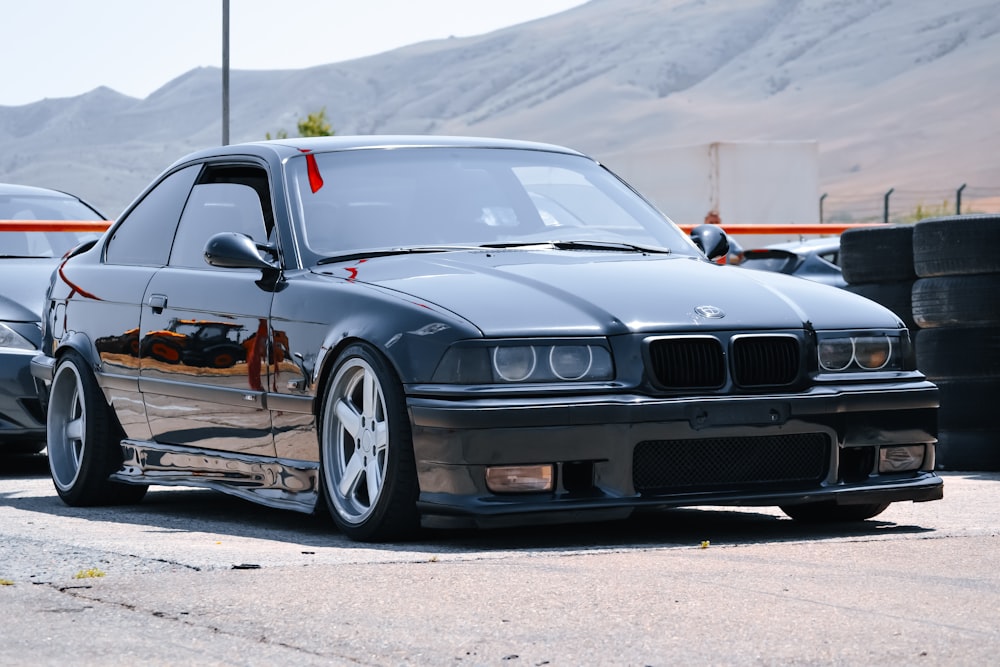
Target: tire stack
956, 305
877, 263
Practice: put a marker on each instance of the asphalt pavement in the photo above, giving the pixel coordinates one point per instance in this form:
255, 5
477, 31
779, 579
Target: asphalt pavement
193, 577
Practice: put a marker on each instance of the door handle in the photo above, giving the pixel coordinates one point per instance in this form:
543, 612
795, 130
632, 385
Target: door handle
157, 302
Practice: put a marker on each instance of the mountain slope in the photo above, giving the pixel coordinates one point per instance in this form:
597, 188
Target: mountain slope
897, 92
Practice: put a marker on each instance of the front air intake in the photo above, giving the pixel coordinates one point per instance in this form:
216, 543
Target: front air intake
731, 463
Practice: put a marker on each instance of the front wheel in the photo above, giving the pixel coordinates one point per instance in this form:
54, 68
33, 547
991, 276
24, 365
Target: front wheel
84, 439
831, 512
368, 474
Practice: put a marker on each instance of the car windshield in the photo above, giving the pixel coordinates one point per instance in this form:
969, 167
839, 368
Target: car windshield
348, 202
42, 207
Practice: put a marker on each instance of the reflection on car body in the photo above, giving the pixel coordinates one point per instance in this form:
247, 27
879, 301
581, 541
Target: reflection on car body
29, 251
456, 331
197, 343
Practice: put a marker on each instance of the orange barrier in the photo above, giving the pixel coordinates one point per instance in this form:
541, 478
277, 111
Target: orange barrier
817, 228
54, 225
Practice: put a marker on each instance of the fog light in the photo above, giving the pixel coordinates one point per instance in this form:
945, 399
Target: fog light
900, 459
519, 479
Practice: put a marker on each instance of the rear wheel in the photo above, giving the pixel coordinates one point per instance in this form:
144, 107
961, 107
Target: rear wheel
163, 350
831, 512
84, 439
368, 474
223, 357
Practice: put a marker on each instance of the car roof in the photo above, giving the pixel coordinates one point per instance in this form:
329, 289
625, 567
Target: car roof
295, 145
14, 189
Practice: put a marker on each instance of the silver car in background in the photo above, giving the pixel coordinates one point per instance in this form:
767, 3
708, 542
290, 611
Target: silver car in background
32, 241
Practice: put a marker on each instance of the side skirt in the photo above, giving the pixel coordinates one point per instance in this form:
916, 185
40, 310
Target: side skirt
279, 483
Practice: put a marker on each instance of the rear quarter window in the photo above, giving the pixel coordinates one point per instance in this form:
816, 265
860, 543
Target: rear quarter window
145, 235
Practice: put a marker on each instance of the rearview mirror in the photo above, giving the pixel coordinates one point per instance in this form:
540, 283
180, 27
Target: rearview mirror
230, 250
712, 240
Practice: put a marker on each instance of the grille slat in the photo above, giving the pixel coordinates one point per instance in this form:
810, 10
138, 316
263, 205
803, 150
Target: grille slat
760, 361
699, 362
687, 363
660, 466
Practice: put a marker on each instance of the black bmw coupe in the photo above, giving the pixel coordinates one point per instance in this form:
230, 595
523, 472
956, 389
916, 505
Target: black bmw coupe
430, 331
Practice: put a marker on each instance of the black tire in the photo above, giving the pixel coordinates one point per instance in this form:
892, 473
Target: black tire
948, 353
967, 404
897, 297
223, 357
829, 511
877, 254
957, 245
969, 450
367, 470
84, 439
965, 301
163, 350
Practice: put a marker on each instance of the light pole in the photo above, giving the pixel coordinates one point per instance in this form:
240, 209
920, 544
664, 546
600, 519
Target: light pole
225, 72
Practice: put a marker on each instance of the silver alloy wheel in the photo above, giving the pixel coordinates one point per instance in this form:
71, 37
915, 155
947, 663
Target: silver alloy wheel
67, 426
355, 441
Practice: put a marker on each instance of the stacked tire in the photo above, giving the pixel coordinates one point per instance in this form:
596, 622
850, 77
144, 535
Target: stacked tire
877, 263
956, 305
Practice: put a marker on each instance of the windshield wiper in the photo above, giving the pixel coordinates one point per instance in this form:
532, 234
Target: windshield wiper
388, 252
558, 245
581, 245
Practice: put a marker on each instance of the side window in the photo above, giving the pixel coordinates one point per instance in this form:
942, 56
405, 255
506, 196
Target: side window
211, 209
143, 238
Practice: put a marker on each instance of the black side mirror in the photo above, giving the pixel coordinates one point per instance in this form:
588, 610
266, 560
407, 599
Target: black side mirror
712, 240
230, 250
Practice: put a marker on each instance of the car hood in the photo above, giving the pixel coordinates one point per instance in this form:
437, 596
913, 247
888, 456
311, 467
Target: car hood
23, 283
508, 293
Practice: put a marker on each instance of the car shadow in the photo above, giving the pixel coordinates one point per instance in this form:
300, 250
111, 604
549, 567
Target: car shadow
23, 465
201, 510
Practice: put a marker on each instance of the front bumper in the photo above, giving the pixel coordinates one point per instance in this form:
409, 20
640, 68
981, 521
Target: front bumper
21, 415
613, 454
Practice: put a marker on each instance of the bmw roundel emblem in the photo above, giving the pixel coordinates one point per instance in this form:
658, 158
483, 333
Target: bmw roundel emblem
710, 312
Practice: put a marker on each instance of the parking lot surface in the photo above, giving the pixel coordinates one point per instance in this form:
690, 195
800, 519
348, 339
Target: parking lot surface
193, 577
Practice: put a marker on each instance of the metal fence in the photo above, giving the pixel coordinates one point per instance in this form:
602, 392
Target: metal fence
908, 205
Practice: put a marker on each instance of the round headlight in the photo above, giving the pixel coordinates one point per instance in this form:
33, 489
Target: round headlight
836, 354
570, 362
514, 364
872, 353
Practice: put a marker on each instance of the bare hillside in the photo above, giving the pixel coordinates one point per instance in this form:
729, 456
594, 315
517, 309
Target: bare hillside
898, 93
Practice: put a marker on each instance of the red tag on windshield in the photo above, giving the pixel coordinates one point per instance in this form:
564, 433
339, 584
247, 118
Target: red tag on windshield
315, 178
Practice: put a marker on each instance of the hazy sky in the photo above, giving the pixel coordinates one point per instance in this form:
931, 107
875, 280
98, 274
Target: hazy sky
63, 48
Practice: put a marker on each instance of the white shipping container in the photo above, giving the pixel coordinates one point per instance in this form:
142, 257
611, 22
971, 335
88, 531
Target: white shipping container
745, 182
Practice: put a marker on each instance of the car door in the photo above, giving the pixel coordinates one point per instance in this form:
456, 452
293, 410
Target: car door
205, 334
105, 298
